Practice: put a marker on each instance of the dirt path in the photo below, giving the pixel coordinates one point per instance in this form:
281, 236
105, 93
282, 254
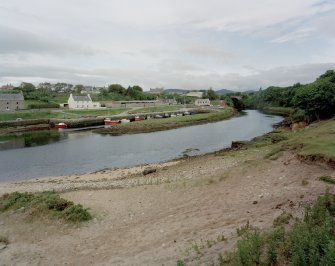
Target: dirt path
185, 210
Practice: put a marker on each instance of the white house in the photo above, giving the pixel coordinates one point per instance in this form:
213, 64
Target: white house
82, 102
202, 102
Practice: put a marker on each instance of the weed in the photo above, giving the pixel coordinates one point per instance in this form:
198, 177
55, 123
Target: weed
181, 263
304, 182
196, 248
282, 219
210, 243
4, 240
327, 179
44, 203
76, 213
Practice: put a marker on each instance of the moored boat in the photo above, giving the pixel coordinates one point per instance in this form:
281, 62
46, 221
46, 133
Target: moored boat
123, 121
109, 122
139, 118
60, 125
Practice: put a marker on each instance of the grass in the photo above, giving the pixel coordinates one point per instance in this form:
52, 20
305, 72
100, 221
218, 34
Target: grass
285, 111
152, 109
44, 204
26, 115
100, 112
327, 179
167, 123
310, 241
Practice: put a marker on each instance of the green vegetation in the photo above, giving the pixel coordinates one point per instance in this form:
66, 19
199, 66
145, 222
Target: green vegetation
327, 179
167, 123
27, 115
4, 240
315, 143
310, 241
99, 112
117, 92
310, 102
44, 203
152, 109
66, 114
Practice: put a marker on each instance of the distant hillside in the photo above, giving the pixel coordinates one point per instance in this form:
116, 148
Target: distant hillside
223, 91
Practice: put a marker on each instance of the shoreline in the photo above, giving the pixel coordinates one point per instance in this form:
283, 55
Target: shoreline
155, 214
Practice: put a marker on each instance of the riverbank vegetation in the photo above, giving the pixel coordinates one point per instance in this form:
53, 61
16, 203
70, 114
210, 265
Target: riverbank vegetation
309, 241
307, 102
292, 240
41, 204
153, 125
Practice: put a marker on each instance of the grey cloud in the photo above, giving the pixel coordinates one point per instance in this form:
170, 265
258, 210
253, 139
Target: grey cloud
20, 41
148, 78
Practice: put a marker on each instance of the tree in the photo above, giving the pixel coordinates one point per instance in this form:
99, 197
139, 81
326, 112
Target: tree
78, 88
117, 88
210, 94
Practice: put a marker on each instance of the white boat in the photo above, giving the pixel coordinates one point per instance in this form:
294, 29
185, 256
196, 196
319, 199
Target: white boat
124, 121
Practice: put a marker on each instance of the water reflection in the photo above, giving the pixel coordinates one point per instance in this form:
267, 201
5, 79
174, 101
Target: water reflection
31, 139
78, 152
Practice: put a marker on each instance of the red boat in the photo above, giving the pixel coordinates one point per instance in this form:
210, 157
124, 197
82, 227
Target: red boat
61, 125
139, 118
109, 122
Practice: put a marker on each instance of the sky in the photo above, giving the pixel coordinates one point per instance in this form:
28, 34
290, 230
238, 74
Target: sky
185, 44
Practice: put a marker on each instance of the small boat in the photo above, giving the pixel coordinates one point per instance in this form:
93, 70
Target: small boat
166, 115
124, 121
186, 113
179, 114
139, 118
158, 116
109, 122
172, 115
60, 125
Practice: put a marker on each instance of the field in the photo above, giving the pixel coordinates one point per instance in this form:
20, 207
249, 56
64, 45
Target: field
152, 109
59, 114
166, 123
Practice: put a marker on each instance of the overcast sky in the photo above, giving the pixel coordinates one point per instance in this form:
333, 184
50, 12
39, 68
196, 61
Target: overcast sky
190, 44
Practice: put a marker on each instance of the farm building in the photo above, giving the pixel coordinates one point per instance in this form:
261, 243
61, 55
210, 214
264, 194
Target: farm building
11, 101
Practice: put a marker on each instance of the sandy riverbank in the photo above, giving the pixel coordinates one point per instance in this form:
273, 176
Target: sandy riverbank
158, 218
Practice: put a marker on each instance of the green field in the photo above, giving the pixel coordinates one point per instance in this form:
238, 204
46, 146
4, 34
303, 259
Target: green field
65, 114
152, 109
167, 123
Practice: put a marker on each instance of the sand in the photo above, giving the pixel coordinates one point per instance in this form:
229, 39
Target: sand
188, 209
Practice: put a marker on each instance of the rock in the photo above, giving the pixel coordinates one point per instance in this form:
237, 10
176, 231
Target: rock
2, 246
255, 202
149, 171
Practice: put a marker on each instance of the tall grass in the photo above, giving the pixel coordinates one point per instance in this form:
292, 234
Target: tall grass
310, 241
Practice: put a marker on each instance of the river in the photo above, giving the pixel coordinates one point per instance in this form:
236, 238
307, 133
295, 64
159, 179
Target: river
53, 153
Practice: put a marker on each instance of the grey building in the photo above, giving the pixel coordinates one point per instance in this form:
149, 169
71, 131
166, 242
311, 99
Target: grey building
11, 101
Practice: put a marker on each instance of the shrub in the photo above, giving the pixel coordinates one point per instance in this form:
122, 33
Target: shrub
327, 179
45, 202
76, 213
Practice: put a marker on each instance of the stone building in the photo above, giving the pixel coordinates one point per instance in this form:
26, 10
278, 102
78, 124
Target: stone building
11, 101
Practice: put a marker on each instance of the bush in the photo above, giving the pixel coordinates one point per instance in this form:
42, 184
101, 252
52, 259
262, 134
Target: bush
309, 242
45, 202
327, 179
76, 213
42, 105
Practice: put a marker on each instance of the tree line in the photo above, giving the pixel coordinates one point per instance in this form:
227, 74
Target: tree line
311, 101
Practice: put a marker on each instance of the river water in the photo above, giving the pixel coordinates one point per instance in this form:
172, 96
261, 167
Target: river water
53, 153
